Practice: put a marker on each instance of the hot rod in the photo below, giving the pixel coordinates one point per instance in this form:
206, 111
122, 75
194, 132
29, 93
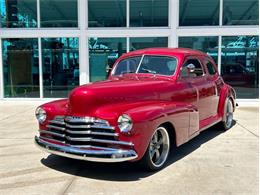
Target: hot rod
153, 100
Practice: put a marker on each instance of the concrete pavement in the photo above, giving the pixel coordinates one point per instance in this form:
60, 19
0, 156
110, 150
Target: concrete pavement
215, 162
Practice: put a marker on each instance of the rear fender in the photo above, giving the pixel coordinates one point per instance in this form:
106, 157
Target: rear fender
226, 92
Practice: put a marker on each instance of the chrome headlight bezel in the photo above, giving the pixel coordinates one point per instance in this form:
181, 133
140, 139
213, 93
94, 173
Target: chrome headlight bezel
40, 115
125, 123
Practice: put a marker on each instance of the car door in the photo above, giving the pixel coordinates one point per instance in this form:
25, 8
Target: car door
214, 82
184, 92
198, 81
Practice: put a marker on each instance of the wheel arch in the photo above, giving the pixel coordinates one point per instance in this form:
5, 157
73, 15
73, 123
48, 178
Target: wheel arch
171, 130
227, 92
232, 96
233, 102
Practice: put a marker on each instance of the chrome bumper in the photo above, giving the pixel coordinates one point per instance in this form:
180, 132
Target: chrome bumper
115, 155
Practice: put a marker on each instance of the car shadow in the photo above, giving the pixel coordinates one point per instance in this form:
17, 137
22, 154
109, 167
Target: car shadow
125, 171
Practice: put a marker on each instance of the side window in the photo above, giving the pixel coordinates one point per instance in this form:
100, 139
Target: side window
211, 68
191, 68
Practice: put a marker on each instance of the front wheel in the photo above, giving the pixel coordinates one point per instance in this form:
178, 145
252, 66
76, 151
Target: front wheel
157, 151
228, 115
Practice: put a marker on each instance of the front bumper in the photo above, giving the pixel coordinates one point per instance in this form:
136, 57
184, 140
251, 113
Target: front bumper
115, 155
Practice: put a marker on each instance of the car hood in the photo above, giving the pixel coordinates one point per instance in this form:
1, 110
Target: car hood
87, 98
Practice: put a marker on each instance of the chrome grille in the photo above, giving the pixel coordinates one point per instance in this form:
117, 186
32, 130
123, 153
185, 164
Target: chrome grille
84, 132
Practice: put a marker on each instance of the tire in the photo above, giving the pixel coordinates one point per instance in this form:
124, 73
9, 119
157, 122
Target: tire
157, 151
227, 121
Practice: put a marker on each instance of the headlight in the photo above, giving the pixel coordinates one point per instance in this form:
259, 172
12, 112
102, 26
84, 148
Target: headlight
125, 123
40, 114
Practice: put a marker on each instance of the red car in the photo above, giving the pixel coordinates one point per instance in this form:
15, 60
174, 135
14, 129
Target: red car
153, 100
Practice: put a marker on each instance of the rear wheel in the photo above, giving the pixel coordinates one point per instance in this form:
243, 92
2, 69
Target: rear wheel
157, 151
228, 115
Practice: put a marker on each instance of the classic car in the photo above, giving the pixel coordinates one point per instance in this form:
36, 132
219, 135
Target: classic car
154, 100
232, 74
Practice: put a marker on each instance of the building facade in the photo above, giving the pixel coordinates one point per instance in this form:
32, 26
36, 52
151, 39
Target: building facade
48, 47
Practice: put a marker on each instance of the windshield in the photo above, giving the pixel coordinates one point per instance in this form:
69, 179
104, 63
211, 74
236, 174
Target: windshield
128, 65
161, 65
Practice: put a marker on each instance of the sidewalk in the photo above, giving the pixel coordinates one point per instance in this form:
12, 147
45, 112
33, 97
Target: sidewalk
215, 162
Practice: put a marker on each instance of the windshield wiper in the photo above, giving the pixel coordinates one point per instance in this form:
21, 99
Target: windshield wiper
126, 72
149, 71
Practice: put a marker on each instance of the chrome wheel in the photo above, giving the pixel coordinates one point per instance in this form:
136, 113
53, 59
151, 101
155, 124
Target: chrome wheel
159, 147
229, 114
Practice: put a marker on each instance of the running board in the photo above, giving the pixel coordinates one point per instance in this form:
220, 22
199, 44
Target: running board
210, 125
203, 128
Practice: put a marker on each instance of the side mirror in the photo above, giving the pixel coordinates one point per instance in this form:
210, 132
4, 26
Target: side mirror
191, 68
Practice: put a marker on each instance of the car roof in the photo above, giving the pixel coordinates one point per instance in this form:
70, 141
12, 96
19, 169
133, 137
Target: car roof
181, 52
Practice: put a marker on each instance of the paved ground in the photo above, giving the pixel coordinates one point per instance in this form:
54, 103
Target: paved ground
212, 163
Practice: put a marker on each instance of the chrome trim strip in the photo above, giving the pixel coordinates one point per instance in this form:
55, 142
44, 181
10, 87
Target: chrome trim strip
93, 147
74, 119
51, 133
102, 127
50, 139
84, 154
90, 132
59, 117
88, 139
57, 122
139, 64
89, 126
55, 127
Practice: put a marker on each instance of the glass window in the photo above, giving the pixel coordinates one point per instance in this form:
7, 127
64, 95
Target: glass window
196, 70
240, 64
128, 65
107, 13
148, 13
147, 42
59, 13
240, 12
21, 68
18, 14
158, 65
211, 68
60, 60
103, 52
161, 65
208, 45
199, 13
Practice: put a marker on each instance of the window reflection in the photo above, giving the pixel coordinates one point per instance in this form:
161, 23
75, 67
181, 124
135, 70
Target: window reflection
161, 65
148, 13
240, 65
20, 67
60, 59
59, 13
147, 42
208, 45
18, 13
237, 12
103, 52
199, 12
128, 65
106, 13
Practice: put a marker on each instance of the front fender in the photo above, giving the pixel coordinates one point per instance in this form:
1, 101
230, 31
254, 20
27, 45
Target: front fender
147, 116
54, 108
